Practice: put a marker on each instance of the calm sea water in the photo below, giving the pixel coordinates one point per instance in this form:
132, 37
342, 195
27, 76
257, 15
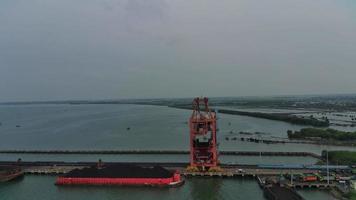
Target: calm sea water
96, 127
42, 187
105, 127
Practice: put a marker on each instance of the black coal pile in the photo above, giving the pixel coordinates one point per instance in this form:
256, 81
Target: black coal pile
120, 171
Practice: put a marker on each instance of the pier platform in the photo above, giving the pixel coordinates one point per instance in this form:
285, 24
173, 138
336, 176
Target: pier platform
162, 152
229, 170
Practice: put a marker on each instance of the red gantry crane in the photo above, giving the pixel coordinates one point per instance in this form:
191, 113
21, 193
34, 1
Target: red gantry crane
203, 144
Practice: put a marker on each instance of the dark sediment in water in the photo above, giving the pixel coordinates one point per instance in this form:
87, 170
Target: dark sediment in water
275, 192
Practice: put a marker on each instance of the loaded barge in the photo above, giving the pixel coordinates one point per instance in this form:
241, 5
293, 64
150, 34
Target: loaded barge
131, 175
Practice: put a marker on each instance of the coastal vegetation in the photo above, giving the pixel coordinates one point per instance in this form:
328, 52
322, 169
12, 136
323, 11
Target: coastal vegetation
323, 134
351, 195
340, 157
293, 119
281, 117
326, 102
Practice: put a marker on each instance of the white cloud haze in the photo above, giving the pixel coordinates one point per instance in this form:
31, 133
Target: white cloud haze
100, 49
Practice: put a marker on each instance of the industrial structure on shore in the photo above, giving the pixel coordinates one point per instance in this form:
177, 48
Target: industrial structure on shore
203, 144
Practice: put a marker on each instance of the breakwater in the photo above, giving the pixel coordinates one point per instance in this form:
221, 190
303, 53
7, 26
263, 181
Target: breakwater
178, 152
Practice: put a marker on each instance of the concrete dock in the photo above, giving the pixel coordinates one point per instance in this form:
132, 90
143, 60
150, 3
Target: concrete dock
229, 170
162, 152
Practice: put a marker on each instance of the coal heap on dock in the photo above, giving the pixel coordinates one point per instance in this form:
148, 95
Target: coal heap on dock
120, 171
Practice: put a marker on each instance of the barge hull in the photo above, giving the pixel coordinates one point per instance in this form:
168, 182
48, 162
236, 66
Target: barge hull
119, 181
130, 175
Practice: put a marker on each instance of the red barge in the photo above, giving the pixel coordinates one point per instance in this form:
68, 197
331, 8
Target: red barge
130, 175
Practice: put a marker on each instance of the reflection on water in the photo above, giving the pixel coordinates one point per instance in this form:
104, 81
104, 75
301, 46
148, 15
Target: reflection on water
316, 194
42, 187
105, 127
206, 188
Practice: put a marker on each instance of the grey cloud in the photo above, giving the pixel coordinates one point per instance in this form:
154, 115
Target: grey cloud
159, 48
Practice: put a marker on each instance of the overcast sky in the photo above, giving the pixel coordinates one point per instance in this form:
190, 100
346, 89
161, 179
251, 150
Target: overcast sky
103, 49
